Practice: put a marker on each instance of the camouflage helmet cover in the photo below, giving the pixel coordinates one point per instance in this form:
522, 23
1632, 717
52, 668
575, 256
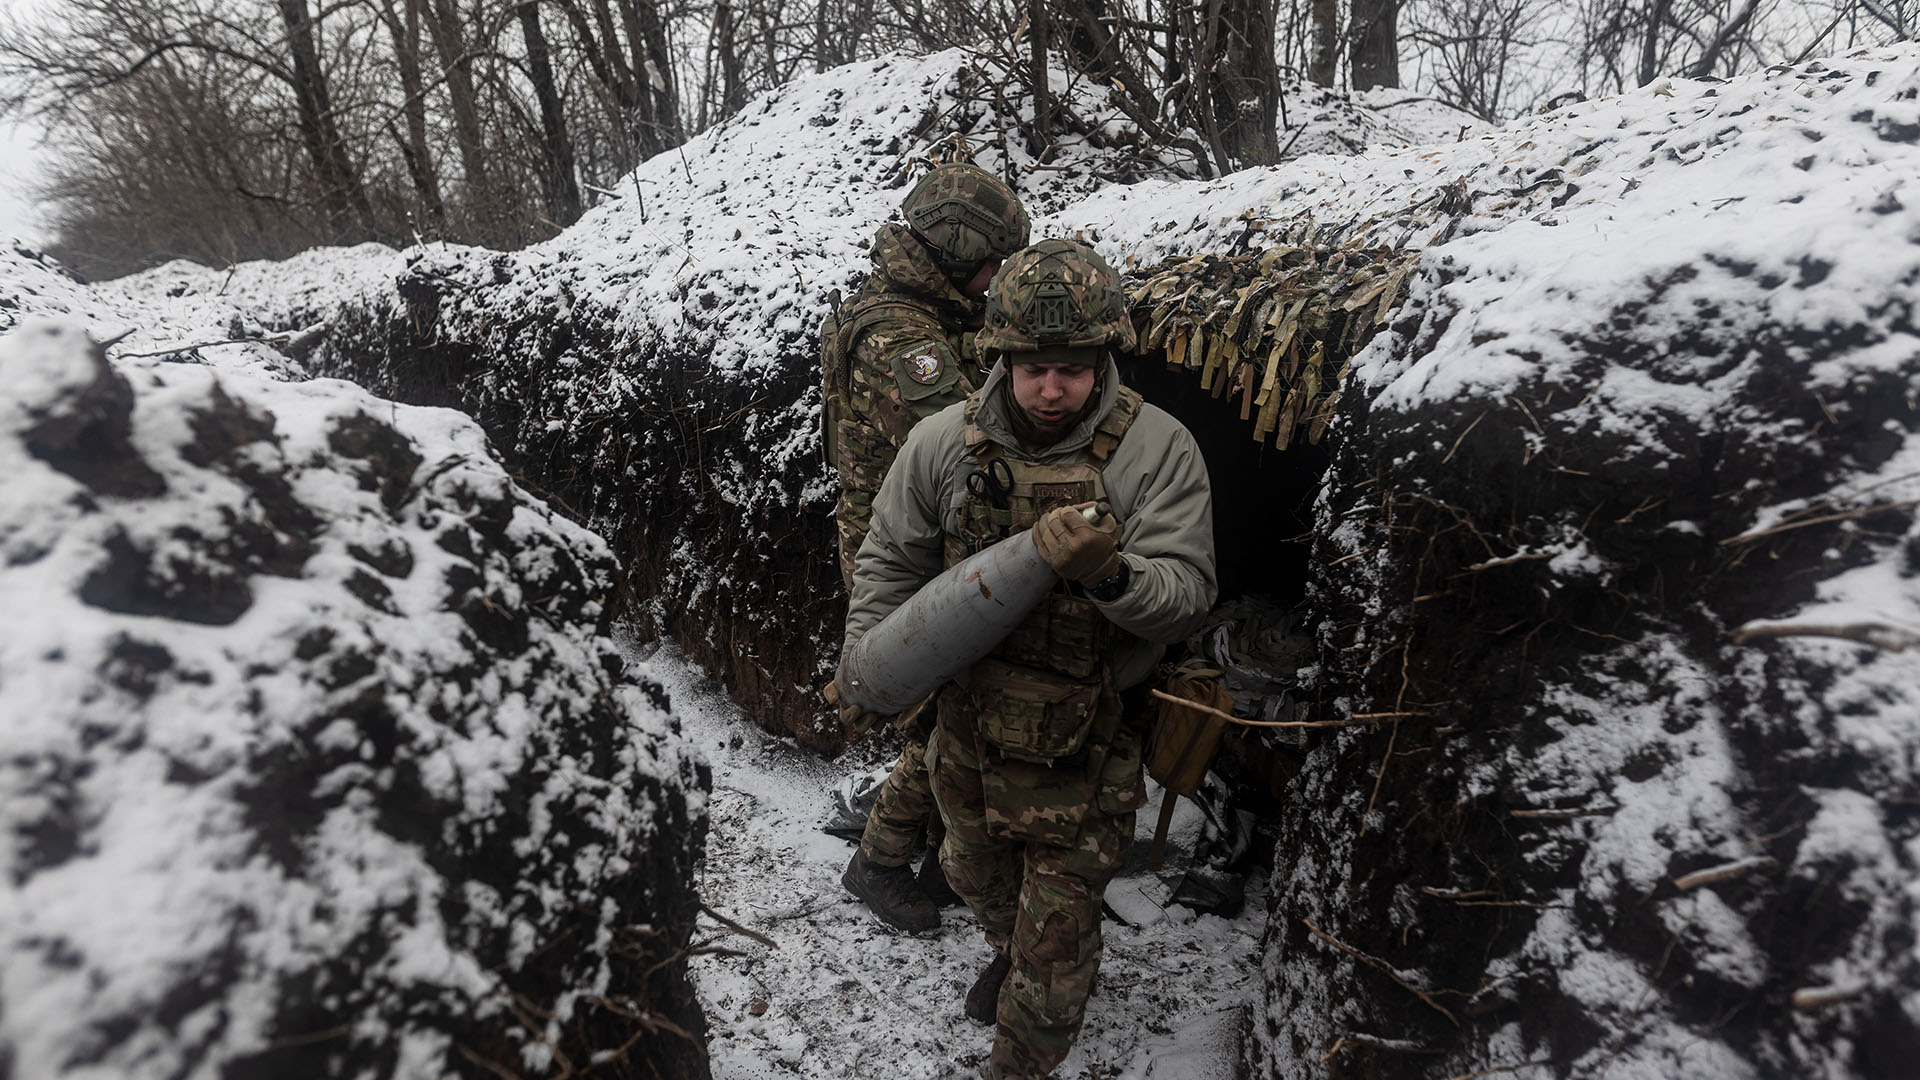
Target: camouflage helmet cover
1057, 292
967, 215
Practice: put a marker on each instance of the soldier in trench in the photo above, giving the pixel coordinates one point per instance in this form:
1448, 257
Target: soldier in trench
1036, 766
899, 350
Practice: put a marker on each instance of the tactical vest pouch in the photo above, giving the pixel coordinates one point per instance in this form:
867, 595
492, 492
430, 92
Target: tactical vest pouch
1032, 715
838, 331
1068, 630
1186, 739
1122, 785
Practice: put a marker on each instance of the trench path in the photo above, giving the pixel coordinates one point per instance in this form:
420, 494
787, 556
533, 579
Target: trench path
845, 996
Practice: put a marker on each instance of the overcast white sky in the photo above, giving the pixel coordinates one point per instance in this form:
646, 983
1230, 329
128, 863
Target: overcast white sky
19, 171
19, 163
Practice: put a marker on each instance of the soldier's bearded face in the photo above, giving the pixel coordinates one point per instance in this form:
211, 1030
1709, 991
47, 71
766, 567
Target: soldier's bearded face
1053, 393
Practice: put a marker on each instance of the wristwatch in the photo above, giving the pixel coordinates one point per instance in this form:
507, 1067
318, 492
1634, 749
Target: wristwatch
1107, 590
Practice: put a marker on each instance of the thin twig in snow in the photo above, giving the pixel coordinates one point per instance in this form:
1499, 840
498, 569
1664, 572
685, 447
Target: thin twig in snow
1880, 635
1821, 520
737, 928
1722, 872
1381, 967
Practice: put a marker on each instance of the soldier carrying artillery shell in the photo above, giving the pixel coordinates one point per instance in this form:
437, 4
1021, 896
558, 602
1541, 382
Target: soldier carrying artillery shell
1036, 768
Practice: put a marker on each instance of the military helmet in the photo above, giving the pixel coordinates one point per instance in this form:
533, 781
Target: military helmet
967, 216
1057, 292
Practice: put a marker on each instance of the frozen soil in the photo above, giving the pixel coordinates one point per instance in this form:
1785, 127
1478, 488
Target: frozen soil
839, 994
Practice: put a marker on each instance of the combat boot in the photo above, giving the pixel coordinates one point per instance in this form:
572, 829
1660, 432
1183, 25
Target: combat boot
892, 894
983, 1001
933, 881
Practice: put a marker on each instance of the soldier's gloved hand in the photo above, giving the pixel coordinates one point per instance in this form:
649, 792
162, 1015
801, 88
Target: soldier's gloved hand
854, 720
1076, 549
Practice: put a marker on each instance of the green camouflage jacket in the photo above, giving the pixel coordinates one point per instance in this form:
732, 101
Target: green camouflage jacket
897, 351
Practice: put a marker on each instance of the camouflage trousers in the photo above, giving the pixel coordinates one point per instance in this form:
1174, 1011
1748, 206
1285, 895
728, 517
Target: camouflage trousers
1037, 899
903, 811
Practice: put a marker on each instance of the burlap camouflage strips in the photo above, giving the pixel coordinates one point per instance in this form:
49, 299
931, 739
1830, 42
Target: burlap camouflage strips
1275, 329
1031, 850
1057, 292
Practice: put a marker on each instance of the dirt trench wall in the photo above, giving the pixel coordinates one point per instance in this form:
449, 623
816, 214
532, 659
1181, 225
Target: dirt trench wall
320, 761
1606, 824
692, 473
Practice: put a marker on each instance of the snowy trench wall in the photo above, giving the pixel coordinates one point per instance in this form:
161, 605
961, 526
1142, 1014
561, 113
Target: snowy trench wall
1618, 544
317, 759
1614, 553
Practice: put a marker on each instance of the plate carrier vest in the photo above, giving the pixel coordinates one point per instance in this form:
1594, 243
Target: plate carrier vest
1037, 693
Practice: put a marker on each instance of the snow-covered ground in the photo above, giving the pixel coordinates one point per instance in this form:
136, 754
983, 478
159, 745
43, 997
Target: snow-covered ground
840, 994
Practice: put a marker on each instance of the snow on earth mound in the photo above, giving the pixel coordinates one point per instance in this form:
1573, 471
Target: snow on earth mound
1621, 526
316, 757
32, 282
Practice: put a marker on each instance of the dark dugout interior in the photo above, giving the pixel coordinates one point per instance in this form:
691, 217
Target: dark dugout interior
1262, 497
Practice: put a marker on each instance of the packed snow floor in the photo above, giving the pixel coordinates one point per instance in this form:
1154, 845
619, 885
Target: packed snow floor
843, 995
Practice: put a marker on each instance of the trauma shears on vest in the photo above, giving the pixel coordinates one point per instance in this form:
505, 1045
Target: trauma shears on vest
992, 482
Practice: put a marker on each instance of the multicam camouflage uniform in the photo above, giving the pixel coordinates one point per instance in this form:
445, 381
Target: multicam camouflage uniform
897, 351
1036, 771
907, 337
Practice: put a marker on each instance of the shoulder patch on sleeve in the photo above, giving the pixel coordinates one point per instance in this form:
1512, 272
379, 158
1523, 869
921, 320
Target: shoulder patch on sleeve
928, 362
923, 362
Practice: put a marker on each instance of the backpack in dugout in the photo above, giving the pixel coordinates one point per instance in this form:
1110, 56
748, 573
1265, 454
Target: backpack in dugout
1185, 740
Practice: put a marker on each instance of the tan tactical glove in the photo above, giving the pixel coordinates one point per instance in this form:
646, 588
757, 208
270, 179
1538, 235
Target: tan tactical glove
1075, 549
854, 720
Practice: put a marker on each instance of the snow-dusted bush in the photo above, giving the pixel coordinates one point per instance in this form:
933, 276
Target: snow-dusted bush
313, 757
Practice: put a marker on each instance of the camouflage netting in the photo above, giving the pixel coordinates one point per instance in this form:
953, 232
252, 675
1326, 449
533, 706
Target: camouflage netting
318, 759
1273, 329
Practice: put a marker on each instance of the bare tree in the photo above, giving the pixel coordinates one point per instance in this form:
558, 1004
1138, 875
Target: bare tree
1471, 52
1323, 50
349, 212
449, 33
658, 124
1246, 90
1037, 20
1373, 47
559, 185
404, 30
1627, 43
